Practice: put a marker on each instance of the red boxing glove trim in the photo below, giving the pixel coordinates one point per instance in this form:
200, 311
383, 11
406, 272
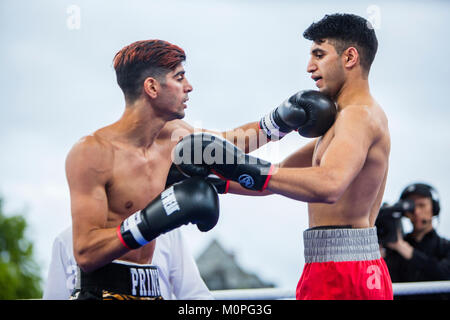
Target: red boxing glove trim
219, 175
269, 175
227, 187
119, 235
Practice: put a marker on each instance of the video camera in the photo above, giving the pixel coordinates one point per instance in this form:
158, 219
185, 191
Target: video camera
388, 222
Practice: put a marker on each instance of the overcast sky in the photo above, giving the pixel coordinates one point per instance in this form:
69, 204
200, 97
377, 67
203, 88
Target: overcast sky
244, 58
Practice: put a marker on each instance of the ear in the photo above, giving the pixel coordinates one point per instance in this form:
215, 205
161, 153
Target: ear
351, 57
151, 87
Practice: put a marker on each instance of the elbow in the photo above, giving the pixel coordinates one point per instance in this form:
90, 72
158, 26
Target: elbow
84, 261
330, 199
332, 192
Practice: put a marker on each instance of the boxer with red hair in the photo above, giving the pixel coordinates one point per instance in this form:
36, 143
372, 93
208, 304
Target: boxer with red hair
117, 179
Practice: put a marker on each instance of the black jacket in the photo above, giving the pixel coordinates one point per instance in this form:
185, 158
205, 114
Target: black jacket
430, 260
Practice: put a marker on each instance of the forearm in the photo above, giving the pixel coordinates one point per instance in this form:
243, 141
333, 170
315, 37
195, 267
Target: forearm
405, 250
247, 137
311, 184
236, 188
97, 248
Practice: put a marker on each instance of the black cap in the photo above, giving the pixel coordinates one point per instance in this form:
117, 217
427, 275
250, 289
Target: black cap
424, 190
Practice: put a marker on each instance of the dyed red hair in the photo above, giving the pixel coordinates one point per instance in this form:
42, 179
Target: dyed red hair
142, 59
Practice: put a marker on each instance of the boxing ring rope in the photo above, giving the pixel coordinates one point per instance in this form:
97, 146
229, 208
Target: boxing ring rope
400, 289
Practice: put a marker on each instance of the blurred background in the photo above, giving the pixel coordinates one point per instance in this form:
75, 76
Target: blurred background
57, 84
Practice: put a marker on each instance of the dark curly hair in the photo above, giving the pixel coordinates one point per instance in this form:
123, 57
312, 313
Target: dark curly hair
346, 30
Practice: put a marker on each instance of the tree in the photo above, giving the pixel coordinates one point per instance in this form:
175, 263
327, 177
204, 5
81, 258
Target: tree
19, 273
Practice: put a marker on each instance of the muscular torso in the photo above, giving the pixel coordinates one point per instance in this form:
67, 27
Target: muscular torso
136, 176
359, 204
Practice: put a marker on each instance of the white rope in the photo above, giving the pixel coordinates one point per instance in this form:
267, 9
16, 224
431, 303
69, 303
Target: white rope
429, 287
406, 288
254, 294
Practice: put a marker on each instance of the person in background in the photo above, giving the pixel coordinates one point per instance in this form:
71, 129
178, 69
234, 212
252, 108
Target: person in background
421, 255
179, 277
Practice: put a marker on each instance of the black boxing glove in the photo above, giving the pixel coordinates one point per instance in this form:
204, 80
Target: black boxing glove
310, 112
201, 153
175, 175
190, 201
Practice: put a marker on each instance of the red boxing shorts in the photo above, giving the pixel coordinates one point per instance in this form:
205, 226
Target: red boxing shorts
343, 264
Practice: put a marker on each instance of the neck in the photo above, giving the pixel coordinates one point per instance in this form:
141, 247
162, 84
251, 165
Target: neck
139, 124
355, 90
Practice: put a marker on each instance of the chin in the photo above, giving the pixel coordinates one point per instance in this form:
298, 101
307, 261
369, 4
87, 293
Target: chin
176, 116
329, 92
180, 115
325, 90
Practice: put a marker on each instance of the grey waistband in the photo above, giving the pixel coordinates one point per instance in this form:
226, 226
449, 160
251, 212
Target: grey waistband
323, 245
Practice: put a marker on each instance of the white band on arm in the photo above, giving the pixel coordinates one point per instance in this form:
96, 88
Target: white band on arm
271, 129
131, 223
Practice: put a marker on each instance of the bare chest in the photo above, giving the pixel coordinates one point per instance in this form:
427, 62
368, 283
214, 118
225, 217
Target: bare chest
322, 146
137, 178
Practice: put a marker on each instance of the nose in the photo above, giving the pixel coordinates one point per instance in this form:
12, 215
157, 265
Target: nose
311, 67
188, 87
418, 212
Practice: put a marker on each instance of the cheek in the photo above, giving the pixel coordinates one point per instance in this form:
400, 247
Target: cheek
172, 93
178, 92
336, 71
334, 76
429, 212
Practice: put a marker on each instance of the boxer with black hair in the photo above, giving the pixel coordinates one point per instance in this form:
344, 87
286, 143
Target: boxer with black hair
341, 174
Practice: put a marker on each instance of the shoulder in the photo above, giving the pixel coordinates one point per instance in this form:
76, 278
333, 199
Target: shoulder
369, 118
90, 148
356, 113
444, 242
176, 130
354, 121
91, 153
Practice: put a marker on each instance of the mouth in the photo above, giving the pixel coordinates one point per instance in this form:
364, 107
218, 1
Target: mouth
317, 80
184, 102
